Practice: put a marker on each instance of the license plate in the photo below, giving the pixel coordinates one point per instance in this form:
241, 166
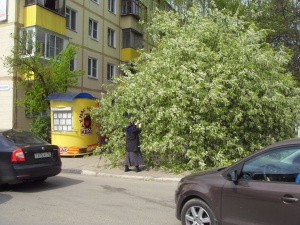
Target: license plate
42, 155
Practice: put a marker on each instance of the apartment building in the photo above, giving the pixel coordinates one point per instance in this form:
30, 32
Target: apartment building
107, 32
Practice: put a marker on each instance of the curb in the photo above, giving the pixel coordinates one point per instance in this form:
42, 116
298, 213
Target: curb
93, 173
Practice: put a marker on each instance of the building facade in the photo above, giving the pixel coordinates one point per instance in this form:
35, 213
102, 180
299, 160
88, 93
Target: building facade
107, 31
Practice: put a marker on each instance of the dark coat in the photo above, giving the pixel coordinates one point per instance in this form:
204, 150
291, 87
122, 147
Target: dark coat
132, 138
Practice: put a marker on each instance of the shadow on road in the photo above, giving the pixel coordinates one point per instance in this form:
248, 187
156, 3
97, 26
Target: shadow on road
51, 183
4, 198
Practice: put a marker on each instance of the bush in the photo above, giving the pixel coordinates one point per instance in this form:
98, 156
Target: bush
41, 126
211, 92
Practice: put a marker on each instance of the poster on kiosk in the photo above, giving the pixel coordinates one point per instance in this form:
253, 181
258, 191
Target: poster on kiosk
72, 128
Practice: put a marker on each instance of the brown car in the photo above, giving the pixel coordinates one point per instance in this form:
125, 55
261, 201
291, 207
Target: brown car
261, 189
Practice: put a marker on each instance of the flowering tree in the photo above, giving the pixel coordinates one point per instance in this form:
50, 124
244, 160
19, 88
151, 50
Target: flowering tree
210, 92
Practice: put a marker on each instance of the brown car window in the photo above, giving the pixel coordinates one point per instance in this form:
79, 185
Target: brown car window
281, 165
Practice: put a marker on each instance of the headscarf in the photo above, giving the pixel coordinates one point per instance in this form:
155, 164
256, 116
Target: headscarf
129, 128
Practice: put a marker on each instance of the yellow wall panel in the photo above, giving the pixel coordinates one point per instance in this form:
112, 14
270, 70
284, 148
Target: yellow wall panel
36, 15
129, 54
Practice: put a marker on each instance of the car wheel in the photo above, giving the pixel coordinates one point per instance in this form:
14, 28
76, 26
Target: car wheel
197, 212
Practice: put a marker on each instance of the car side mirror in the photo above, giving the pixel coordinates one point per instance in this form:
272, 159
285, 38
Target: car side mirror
232, 176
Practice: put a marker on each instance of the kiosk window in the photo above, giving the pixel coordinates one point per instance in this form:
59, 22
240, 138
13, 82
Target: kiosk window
62, 120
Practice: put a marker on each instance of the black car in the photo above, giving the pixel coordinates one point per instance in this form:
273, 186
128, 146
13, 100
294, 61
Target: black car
261, 189
26, 157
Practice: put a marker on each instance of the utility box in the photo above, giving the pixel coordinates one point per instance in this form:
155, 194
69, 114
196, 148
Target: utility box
72, 128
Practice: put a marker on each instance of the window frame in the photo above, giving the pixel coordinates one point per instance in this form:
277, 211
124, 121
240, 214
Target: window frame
93, 29
51, 43
111, 71
62, 118
132, 39
92, 68
69, 22
112, 6
131, 7
28, 50
73, 63
111, 37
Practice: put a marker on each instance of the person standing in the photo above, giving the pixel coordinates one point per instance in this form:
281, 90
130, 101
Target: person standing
133, 152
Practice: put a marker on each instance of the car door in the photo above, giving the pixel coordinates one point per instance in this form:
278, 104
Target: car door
264, 195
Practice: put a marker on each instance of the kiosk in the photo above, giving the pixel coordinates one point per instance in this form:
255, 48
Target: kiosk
72, 128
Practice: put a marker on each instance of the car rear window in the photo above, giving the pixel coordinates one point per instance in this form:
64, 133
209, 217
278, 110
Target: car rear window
22, 137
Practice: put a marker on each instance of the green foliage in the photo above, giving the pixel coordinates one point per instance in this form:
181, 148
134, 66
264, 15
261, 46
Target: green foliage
210, 92
183, 6
279, 16
282, 17
39, 76
41, 126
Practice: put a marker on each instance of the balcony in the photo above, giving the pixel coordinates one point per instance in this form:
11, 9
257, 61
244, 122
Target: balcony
131, 41
57, 6
128, 54
38, 13
132, 7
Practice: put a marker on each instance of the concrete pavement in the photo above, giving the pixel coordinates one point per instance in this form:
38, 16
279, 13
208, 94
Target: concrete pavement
100, 166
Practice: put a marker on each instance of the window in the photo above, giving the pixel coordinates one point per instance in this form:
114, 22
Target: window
96, 1
282, 165
131, 7
111, 71
48, 44
111, 38
29, 2
54, 45
62, 119
72, 65
28, 40
71, 19
93, 29
132, 39
93, 68
112, 6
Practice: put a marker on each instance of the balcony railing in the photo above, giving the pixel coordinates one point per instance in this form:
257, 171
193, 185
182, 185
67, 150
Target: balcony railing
57, 6
131, 7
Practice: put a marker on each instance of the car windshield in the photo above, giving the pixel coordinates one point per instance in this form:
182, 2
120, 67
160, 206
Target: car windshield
22, 137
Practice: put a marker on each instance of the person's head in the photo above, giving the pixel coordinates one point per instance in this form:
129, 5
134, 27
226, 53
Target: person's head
130, 123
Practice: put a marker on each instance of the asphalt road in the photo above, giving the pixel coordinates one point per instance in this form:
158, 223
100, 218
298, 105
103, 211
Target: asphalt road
87, 200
